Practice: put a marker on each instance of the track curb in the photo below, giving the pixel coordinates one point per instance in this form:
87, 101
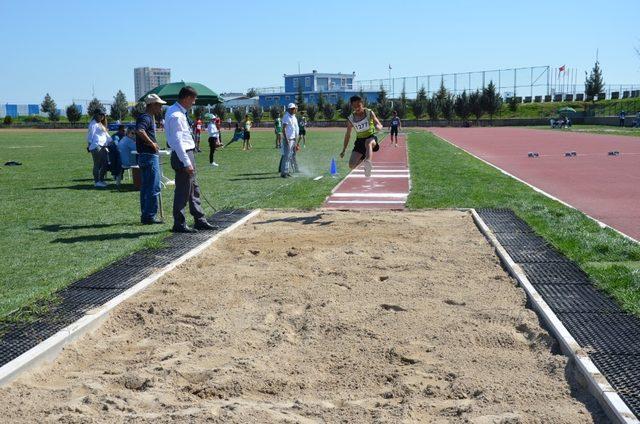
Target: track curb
598, 385
51, 347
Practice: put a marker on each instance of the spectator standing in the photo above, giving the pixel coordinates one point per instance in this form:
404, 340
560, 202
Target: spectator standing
229, 123
291, 131
246, 143
179, 139
148, 159
197, 131
277, 125
302, 123
622, 115
97, 139
214, 139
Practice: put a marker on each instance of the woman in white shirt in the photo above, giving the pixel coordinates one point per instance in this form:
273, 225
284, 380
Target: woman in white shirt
97, 139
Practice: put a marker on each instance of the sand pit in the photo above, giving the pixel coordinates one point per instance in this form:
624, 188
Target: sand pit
318, 317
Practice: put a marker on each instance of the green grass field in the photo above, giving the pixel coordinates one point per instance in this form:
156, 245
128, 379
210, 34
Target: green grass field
597, 129
444, 176
56, 228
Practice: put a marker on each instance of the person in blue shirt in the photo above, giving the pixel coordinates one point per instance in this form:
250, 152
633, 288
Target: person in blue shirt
395, 125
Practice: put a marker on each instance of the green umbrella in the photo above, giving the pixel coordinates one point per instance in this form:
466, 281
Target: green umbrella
169, 93
567, 110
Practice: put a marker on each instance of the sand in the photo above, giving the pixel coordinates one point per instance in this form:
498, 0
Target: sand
318, 317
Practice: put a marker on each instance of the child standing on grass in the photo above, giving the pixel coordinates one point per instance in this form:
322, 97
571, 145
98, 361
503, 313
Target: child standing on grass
365, 123
246, 141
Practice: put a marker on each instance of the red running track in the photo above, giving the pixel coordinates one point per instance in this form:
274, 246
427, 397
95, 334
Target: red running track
388, 186
605, 187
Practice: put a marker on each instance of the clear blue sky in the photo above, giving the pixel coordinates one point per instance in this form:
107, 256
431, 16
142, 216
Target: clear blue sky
65, 47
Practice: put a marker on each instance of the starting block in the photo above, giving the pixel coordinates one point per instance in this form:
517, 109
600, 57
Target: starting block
533, 154
614, 153
570, 154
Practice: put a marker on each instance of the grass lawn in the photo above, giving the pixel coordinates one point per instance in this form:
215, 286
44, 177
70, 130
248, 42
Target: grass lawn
56, 228
597, 129
444, 176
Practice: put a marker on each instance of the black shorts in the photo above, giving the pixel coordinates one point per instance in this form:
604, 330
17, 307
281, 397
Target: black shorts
361, 147
303, 131
394, 130
247, 136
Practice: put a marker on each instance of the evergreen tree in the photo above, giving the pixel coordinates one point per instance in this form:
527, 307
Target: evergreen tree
220, 111
256, 113
339, 103
47, 104
95, 105
419, 105
475, 104
513, 103
490, 100
302, 106
345, 110
274, 112
312, 111
442, 93
238, 114
137, 110
433, 107
446, 107
54, 115
73, 113
462, 107
383, 105
252, 92
328, 111
403, 105
119, 107
594, 83
365, 102
321, 101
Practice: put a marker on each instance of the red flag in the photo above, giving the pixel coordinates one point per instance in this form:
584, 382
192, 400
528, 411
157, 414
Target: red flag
562, 68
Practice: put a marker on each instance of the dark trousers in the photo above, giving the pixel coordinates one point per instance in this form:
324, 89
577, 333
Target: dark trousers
213, 141
100, 163
187, 191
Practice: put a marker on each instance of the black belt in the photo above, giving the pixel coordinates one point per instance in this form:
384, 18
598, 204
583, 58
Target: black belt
190, 150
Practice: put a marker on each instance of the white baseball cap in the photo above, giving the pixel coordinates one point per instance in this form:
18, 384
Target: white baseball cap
291, 106
154, 98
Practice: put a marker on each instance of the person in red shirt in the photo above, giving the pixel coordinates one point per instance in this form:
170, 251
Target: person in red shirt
198, 130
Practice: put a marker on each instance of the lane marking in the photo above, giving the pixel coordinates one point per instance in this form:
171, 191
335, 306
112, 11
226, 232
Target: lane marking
376, 202
370, 194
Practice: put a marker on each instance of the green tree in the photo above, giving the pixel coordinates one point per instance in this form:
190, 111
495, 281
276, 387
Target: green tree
302, 106
47, 104
328, 111
475, 104
238, 114
345, 110
312, 111
119, 107
490, 99
339, 103
594, 83
54, 115
513, 103
383, 105
138, 109
252, 92
94, 105
402, 105
256, 113
220, 110
442, 93
198, 112
462, 107
447, 107
7, 120
433, 107
321, 101
419, 105
73, 113
274, 112
364, 97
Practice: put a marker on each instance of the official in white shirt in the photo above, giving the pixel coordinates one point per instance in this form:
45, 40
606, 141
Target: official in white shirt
291, 132
180, 141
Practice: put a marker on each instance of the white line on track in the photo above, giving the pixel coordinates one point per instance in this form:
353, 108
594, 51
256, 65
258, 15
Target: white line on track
405, 176
376, 202
370, 195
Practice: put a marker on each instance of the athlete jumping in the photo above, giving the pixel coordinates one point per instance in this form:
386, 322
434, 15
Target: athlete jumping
365, 123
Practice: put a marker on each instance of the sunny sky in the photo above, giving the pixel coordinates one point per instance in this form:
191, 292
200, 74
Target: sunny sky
68, 48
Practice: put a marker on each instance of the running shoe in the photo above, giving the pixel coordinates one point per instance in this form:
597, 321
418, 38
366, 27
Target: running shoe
367, 167
214, 164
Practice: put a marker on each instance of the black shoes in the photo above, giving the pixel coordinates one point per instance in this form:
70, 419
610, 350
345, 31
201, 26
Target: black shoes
152, 222
184, 230
205, 226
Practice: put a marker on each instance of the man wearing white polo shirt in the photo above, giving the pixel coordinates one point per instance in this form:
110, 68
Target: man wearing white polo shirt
181, 143
291, 132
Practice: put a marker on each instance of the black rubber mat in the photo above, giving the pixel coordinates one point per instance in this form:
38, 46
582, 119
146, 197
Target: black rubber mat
555, 273
609, 336
613, 334
622, 373
102, 286
576, 298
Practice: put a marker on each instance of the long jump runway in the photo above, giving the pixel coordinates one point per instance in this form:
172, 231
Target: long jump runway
388, 186
602, 186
